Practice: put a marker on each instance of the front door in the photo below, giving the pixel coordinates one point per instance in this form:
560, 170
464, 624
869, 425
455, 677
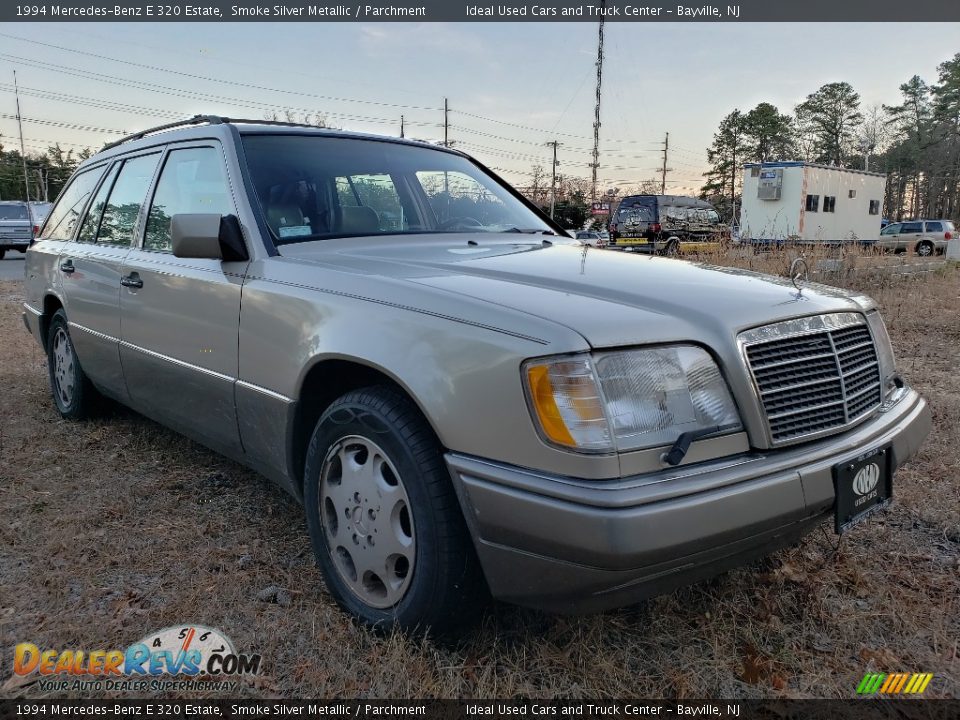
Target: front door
181, 316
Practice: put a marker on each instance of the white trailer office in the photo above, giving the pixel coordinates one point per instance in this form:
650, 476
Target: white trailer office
805, 202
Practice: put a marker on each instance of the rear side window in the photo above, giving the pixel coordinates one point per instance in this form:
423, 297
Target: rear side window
123, 207
934, 227
375, 192
912, 227
91, 223
192, 181
65, 215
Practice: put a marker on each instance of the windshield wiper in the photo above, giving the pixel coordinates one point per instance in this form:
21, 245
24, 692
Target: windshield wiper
676, 454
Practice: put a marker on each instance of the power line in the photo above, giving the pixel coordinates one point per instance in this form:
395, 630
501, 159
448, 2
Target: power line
223, 81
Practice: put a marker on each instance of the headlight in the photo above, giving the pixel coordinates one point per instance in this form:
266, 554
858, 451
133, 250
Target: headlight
628, 400
885, 359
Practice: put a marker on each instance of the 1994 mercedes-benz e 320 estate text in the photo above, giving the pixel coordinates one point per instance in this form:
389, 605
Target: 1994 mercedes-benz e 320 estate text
461, 401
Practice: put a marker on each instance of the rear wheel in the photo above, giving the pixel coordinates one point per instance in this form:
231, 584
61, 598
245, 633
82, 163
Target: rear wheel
925, 248
73, 393
384, 521
2, 253
672, 248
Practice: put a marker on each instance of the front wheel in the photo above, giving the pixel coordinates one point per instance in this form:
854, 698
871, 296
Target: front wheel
384, 521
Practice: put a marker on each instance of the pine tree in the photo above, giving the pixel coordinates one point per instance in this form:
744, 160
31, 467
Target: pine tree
831, 115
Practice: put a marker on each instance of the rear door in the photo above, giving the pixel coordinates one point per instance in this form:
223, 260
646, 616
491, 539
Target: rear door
910, 234
90, 269
43, 274
634, 221
934, 231
180, 317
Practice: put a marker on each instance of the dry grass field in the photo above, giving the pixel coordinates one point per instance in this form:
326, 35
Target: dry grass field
113, 528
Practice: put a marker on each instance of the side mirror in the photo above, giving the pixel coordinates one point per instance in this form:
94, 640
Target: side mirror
207, 235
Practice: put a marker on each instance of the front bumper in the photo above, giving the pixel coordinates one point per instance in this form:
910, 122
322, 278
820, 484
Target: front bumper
569, 545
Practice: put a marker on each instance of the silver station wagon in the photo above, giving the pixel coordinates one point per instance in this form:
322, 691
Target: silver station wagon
462, 405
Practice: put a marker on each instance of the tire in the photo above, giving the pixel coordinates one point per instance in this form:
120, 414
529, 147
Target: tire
2, 253
672, 248
73, 393
375, 474
925, 248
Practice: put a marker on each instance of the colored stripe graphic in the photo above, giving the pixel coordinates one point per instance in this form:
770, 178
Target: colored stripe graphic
894, 683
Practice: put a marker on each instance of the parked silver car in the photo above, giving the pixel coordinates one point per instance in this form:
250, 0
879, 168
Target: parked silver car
16, 226
387, 330
924, 237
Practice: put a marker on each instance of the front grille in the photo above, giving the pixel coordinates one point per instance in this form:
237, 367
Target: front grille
815, 374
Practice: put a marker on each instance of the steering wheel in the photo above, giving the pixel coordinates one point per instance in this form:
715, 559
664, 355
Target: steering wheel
465, 222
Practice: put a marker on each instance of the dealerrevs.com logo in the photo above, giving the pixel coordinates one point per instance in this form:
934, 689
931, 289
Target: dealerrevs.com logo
182, 657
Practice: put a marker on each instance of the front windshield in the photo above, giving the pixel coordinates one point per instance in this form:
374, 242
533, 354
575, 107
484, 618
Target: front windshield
314, 187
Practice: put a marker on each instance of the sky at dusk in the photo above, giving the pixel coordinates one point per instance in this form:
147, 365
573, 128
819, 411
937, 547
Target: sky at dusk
511, 87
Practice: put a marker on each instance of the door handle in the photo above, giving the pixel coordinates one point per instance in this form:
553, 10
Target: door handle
67, 266
132, 280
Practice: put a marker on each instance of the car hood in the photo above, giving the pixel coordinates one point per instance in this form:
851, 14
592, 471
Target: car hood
608, 297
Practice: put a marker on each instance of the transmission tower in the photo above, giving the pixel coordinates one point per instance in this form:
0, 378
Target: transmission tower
596, 116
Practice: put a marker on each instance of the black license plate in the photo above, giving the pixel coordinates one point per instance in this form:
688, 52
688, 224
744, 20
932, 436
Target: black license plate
861, 486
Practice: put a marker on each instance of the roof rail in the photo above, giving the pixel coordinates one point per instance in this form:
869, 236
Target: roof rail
195, 120
211, 119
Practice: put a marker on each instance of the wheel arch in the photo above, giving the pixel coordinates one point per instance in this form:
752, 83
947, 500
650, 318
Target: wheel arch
51, 303
323, 381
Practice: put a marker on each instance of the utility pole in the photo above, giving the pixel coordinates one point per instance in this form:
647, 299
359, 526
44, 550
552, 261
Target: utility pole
553, 177
665, 169
596, 115
401, 126
446, 123
23, 152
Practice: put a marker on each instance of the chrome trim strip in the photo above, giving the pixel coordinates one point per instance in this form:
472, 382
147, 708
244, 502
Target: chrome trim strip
100, 335
264, 391
36, 312
181, 363
800, 326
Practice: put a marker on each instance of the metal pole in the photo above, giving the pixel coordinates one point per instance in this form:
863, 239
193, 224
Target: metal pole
446, 123
401, 126
553, 178
23, 152
596, 117
663, 175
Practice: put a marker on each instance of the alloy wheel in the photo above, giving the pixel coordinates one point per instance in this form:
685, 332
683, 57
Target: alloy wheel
367, 521
63, 367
